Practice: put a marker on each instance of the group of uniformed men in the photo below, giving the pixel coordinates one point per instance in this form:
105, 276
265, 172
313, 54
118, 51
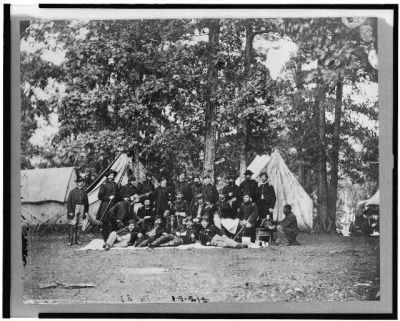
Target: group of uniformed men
172, 214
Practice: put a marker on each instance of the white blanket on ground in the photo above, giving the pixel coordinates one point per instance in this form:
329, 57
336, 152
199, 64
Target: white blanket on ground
230, 224
97, 244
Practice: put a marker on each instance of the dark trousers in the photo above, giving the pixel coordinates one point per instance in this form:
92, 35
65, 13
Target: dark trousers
167, 240
250, 232
107, 228
146, 241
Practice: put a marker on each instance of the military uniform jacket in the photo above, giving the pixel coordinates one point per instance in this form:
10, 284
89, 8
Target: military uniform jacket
185, 189
181, 206
196, 212
248, 210
231, 191
128, 189
143, 212
207, 234
267, 195
226, 210
77, 196
249, 187
210, 193
106, 190
196, 189
146, 187
185, 234
161, 196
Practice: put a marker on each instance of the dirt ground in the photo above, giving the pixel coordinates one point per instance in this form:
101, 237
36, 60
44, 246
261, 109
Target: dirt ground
326, 267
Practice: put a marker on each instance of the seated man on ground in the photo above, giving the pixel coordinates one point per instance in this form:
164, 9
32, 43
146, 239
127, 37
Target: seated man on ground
146, 215
126, 236
213, 236
184, 234
151, 235
287, 228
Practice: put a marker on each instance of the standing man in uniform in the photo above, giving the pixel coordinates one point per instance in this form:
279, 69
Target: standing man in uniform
77, 209
196, 187
267, 198
146, 188
162, 198
107, 194
209, 190
183, 186
232, 193
249, 186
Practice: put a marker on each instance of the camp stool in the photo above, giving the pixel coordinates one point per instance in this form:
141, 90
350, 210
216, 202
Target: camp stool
263, 237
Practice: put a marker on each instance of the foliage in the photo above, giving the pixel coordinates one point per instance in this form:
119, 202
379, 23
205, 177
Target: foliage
142, 86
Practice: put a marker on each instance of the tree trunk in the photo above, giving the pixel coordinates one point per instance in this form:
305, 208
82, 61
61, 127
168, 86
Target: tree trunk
244, 122
322, 173
211, 106
335, 151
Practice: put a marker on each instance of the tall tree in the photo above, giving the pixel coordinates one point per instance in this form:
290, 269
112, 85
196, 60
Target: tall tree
333, 186
211, 104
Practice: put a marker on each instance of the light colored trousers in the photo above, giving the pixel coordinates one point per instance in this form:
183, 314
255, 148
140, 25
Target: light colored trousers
223, 241
122, 240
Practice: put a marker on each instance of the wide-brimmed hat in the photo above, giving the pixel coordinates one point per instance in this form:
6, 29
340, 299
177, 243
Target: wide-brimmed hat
248, 172
199, 196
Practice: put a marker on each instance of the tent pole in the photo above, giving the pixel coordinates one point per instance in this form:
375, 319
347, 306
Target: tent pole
94, 183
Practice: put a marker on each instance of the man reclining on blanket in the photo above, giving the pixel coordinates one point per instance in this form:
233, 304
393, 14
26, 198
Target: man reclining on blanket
184, 234
152, 235
126, 236
210, 235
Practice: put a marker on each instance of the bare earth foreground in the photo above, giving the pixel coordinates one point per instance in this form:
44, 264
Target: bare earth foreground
326, 267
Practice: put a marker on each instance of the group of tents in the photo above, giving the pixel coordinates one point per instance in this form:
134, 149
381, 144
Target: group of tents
44, 191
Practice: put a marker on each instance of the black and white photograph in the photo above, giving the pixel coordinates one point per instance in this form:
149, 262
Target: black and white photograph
200, 158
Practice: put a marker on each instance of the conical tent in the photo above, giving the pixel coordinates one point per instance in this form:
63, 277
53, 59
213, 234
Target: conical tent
374, 200
121, 165
287, 189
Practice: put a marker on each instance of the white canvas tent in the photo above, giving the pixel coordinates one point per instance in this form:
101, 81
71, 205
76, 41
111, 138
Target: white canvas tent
119, 165
287, 189
44, 193
374, 200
